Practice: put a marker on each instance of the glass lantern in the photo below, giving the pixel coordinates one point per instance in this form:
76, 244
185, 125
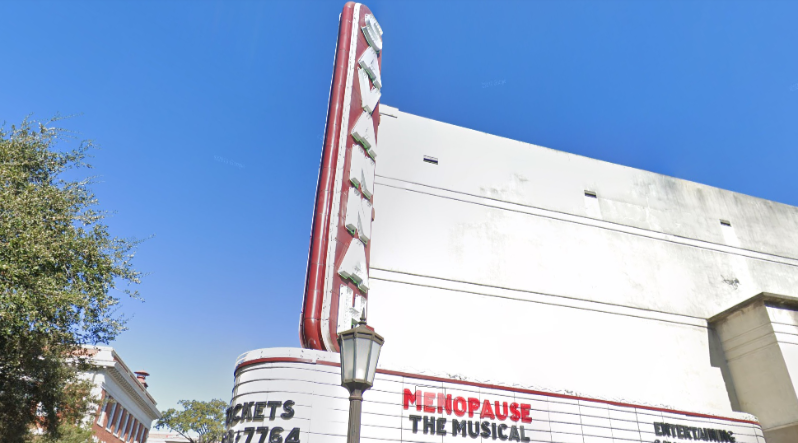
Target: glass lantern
360, 349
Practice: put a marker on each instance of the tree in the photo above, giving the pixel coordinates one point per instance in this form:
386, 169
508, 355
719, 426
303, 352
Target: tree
75, 417
67, 434
203, 418
59, 267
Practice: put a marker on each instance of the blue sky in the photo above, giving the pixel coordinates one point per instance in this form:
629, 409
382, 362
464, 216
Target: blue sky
210, 116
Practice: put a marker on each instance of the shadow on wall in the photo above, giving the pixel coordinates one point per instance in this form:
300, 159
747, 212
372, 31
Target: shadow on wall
717, 358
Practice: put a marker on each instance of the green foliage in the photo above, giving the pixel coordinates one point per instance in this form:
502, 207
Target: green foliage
79, 405
75, 417
58, 268
67, 434
199, 421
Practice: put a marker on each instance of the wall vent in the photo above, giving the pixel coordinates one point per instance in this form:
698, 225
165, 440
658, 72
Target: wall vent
591, 194
725, 222
429, 159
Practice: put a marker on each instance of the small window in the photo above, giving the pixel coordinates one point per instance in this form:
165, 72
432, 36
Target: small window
591, 194
725, 223
429, 159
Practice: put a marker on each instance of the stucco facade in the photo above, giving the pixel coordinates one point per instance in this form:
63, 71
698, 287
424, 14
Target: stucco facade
591, 277
509, 266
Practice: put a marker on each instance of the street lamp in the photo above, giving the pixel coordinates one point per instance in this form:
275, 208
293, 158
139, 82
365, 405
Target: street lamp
360, 350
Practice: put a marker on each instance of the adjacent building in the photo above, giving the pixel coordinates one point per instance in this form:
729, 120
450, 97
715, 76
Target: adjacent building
126, 411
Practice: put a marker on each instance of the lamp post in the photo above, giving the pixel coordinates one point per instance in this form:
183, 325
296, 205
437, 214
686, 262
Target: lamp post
360, 350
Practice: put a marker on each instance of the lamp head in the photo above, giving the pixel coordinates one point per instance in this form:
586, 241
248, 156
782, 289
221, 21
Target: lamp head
360, 349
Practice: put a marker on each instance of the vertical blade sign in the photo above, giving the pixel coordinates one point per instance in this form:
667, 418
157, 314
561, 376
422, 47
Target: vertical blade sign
337, 279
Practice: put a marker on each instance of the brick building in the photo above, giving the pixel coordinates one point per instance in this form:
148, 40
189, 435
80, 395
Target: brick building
127, 410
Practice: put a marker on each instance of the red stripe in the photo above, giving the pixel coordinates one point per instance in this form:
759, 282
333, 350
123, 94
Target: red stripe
490, 386
310, 323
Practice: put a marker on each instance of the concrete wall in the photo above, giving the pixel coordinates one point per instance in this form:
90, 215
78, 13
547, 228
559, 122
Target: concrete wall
494, 263
760, 341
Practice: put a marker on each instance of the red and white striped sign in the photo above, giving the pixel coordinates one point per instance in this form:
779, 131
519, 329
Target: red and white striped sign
337, 279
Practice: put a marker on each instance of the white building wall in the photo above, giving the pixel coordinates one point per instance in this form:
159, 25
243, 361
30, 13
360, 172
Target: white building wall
495, 263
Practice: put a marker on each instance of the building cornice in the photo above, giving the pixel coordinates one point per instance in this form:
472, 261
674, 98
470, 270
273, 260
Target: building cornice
106, 358
768, 298
148, 405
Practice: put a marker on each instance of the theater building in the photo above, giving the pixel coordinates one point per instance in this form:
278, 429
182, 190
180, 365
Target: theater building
525, 294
